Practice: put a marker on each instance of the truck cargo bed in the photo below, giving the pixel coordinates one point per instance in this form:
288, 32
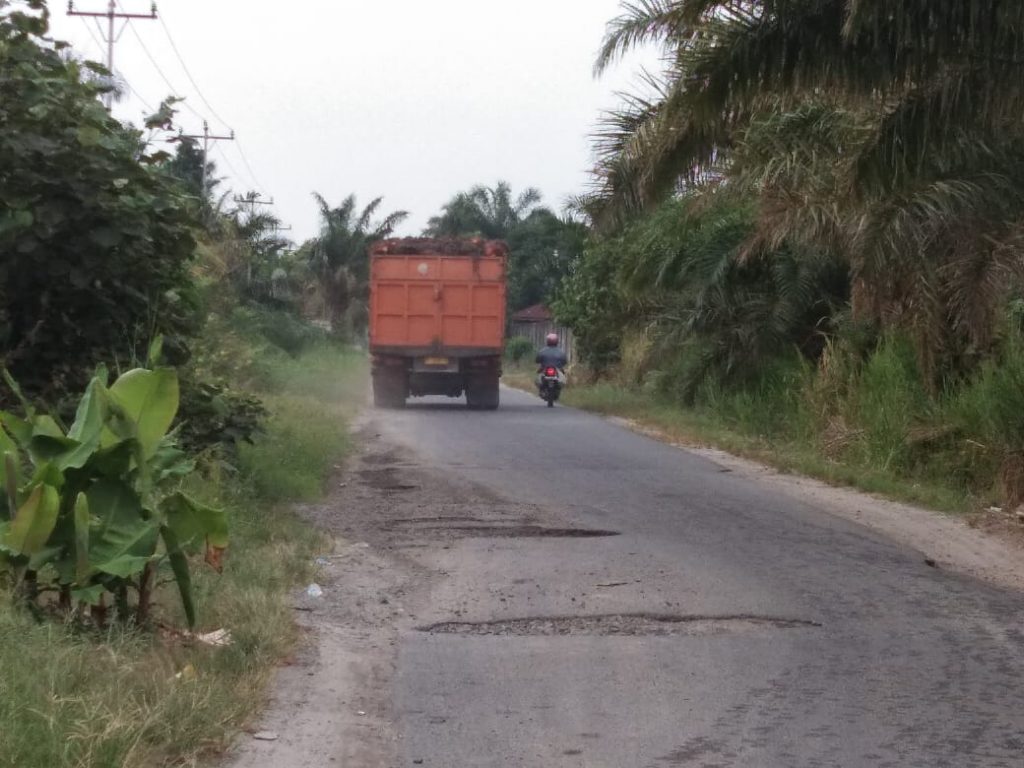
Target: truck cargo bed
423, 303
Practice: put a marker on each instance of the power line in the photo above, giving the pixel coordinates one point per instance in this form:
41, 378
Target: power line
223, 156
252, 174
167, 81
181, 60
207, 137
111, 15
99, 45
136, 94
120, 74
188, 74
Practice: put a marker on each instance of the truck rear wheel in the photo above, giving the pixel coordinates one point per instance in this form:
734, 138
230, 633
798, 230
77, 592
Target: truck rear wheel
482, 392
389, 390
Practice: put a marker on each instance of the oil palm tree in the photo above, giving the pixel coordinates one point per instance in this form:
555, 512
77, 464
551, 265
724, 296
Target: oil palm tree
339, 255
491, 212
888, 130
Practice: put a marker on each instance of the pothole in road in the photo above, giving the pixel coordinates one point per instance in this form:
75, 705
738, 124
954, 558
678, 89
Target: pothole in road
499, 531
390, 457
434, 522
384, 480
619, 624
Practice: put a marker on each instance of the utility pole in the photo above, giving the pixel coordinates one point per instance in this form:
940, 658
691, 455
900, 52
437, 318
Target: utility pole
252, 199
207, 137
110, 37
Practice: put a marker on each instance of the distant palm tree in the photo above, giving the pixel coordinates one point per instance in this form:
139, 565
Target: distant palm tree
490, 212
339, 256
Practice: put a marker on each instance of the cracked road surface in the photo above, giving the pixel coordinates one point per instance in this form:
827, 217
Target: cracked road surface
545, 588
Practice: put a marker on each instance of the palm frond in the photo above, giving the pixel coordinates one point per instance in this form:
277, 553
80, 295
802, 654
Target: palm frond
527, 199
641, 23
388, 224
363, 223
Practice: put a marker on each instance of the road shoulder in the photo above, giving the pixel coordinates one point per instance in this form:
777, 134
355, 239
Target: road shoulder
983, 547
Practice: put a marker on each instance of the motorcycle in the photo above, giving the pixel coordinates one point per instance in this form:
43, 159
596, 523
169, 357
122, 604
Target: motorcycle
550, 385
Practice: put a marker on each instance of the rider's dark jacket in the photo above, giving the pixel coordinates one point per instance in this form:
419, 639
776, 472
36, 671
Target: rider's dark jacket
551, 356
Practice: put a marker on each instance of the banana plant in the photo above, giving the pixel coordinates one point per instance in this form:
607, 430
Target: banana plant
97, 509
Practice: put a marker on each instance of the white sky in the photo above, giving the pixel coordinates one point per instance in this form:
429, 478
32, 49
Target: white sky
411, 99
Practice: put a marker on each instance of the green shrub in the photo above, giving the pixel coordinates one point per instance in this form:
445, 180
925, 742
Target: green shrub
519, 349
213, 416
132, 698
96, 244
680, 375
285, 330
289, 332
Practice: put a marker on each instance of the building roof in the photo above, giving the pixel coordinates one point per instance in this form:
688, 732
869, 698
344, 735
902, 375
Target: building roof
538, 313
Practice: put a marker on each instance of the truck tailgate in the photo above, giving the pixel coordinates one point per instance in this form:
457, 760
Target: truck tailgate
424, 303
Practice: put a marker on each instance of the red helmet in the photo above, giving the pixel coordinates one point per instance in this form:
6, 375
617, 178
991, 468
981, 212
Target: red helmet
552, 340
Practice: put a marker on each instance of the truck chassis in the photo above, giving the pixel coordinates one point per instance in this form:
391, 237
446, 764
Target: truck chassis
397, 377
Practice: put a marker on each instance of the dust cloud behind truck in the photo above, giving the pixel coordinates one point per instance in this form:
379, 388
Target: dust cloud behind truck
437, 319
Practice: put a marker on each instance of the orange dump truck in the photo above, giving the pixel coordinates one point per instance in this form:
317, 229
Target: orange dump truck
437, 319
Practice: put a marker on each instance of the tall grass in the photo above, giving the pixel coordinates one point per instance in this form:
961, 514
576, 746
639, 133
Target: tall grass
988, 413
308, 398
134, 699
768, 406
885, 402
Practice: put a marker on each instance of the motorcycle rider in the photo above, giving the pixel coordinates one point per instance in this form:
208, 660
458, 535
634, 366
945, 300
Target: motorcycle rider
550, 355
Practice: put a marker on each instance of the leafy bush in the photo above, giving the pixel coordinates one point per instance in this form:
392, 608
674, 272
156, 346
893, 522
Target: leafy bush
215, 416
591, 302
95, 237
89, 516
289, 332
519, 349
285, 330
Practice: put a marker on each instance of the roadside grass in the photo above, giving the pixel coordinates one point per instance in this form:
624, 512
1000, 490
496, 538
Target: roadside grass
738, 427
134, 699
307, 397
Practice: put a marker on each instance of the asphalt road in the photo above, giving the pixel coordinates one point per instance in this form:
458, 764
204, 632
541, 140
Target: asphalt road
773, 633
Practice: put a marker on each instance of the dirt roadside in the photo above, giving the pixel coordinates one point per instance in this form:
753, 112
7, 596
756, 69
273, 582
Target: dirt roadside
389, 517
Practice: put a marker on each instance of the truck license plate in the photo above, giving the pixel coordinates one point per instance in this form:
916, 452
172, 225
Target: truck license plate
436, 361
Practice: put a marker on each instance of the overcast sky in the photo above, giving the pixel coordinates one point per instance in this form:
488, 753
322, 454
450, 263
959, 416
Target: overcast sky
410, 99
